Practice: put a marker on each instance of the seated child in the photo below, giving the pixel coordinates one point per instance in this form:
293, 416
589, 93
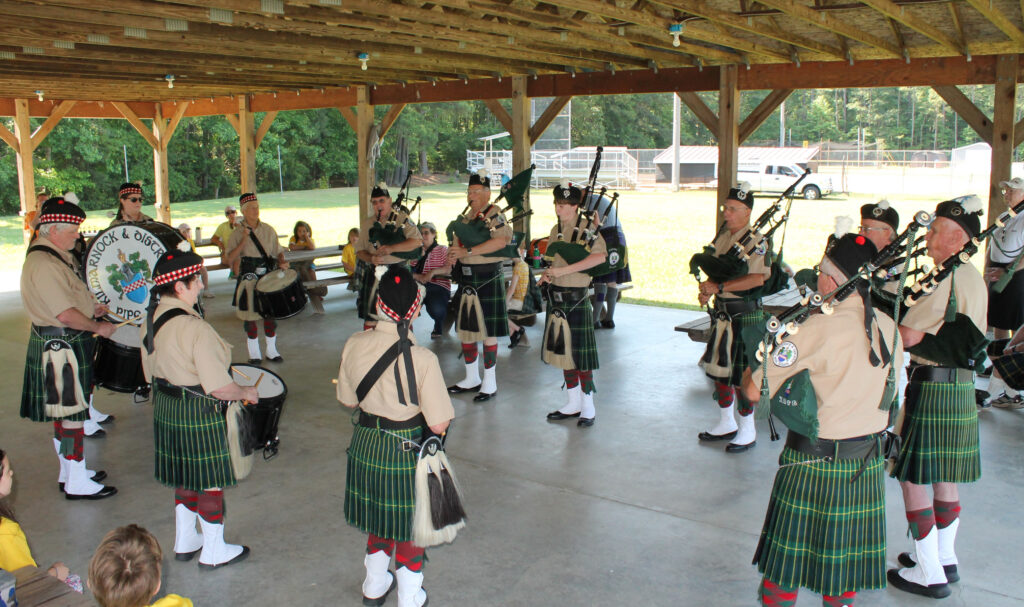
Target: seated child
125, 570
348, 258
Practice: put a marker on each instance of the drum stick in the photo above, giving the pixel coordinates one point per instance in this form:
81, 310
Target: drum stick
239, 371
117, 326
258, 380
334, 380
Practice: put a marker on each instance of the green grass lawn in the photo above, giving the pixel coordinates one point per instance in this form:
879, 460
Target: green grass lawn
663, 229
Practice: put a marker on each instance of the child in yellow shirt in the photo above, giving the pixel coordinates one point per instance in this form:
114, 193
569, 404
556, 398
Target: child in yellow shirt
125, 570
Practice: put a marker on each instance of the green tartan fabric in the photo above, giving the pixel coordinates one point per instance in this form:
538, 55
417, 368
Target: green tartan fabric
1011, 369
940, 435
380, 482
33, 390
490, 288
740, 358
367, 300
190, 442
581, 325
823, 532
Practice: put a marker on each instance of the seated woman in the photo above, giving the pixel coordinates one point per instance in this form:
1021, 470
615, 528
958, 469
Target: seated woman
432, 270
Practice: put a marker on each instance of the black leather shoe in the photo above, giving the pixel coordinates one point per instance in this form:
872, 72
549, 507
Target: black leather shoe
934, 591
457, 389
907, 560
586, 422
97, 476
244, 554
734, 448
106, 491
559, 416
186, 556
255, 361
109, 419
513, 340
99, 433
608, 324
276, 359
597, 326
483, 396
377, 602
710, 438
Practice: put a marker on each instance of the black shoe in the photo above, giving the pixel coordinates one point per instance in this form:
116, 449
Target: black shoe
109, 419
482, 397
597, 325
557, 416
255, 361
513, 339
980, 396
935, 591
457, 389
907, 560
608, 324
276, 359
707, 437
734, 448
106, 491
586, 422
99, 433
97, 476
186, 556
244, 554
377, 602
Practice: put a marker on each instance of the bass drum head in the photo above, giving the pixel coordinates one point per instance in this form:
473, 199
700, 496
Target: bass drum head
276, 280
119, 264
270, 387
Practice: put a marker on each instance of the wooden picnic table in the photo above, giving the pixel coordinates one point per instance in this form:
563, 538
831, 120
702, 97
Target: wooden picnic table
699, 330
36, 588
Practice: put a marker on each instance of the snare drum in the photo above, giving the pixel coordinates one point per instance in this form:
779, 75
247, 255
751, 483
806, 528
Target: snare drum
266, 414
118, 269
279, 294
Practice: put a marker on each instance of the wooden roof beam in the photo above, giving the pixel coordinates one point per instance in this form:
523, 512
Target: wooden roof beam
544, 120
134, 120
8, 137
759, 114
349, 115
965, 108
898, 13
55, 116
828, 22
500, 113
390, 117
700, 109
264, 128
954, 16
998, 19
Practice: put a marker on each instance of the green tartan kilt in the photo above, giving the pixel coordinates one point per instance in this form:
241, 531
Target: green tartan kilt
581, 326
190, 442
823, 532
380, 482
739, 355
33, 390
367, 300
490, 288
940, 435
1011, 369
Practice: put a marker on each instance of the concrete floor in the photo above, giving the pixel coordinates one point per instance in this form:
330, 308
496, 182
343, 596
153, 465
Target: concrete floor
633, 511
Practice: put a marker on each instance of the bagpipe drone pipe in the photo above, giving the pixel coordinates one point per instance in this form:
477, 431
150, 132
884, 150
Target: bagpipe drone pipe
478, 230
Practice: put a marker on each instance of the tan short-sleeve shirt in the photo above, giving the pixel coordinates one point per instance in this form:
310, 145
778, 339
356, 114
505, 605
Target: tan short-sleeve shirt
360, 353
757, 263
576, 279
143, 218
502, 230
187, 350
929, 313
409, 230
49, 287
267, 236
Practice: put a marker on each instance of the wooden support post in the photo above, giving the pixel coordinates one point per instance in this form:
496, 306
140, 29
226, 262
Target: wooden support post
246, 145
521, 157
349, 115
161, 189
364, 123
728, 135
1005, 97
389, 119
26, 172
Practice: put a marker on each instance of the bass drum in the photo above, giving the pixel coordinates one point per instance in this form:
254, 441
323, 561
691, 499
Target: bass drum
118, 270
265, 415
279, 294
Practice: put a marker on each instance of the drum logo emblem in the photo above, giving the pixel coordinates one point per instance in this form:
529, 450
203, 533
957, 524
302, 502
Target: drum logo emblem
131, 277
119, 266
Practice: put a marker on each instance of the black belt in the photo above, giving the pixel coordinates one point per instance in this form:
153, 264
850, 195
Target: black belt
56, 331
165, 387
567, 295
939, 375
369, 420
734, 307
860, 447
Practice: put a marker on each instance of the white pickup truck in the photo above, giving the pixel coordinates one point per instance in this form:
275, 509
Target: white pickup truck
778, 177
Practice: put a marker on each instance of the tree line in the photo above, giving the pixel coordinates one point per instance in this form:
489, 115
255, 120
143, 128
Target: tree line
318, 148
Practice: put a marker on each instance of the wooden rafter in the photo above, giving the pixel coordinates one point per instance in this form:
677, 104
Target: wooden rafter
134, 120
954, 17
700, 109
44, 129
390, 117
12, 141
233, 121
175, 120
350, 116
898, 13
261, 132
998, 19
965, 108
544, 120
759, 114
830, 23
894, 26
500, 113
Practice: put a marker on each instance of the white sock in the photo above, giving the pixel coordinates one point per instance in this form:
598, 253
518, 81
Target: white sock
272, 347
575, 403
490, 383
472, 378
747, 432
588, 411
254, 348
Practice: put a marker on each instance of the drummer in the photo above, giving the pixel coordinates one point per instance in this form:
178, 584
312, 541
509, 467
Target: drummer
129, 208
381, 255
188, 364
256, 245
61, 344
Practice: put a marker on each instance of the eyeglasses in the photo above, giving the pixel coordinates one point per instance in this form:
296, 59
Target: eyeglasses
867, 229
132, 199
229, 213
725, 208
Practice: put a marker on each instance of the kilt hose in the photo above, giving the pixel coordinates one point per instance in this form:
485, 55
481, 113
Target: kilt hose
489, 284
366, 302
940, 435
740, 358
380, 482
33, 390
190, 441
823, 532
581, 326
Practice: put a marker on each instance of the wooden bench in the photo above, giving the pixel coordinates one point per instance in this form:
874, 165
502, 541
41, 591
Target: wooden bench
36, 588
700, 330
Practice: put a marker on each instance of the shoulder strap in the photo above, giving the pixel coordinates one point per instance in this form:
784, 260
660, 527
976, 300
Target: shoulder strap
370, 379
259, 247
167, 316
39, 247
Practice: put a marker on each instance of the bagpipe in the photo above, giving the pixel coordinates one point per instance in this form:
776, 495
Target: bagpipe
733, 263
472, 231
390, 230
576, 246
